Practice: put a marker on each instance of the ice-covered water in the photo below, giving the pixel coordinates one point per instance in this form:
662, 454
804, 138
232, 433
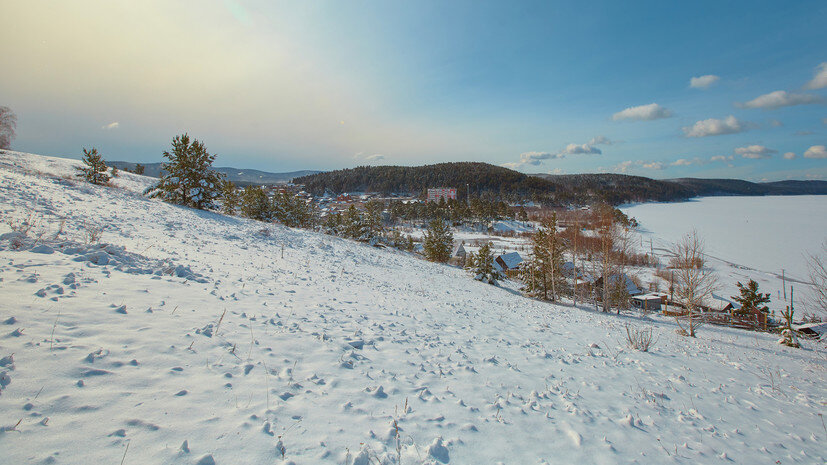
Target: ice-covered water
766, 233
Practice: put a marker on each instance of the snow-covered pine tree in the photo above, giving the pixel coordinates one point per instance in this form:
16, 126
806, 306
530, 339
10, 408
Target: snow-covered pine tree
750, 299
484, 265
139, 168
115, 173
188, 178
95, 169
438, 241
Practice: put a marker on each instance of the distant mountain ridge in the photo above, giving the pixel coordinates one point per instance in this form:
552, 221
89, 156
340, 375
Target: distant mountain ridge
569, 189
238, 176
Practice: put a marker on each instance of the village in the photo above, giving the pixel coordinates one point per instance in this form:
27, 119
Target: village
640, 279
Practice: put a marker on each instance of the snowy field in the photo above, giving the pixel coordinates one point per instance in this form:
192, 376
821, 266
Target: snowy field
189, 337
746, 237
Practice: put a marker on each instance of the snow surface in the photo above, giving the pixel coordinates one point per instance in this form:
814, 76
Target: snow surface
248, 357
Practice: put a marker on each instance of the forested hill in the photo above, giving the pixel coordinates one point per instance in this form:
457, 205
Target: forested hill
240, 177
709, 187
483, 178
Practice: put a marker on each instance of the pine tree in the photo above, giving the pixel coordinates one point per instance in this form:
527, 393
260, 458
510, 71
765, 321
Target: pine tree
291, 210
372, 230
255, 204
95, 169
230, 198
115, 173
333, 224
139, 168
352, 223
484, 265
438, 241
188, 178
542, 272
750, 299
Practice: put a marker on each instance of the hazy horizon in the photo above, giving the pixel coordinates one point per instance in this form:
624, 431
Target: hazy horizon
654, 89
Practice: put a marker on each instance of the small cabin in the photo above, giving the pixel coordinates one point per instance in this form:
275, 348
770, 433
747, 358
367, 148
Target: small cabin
647, 302
508, 261
620, 280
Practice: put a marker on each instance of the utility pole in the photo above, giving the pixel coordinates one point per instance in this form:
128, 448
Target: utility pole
784, 284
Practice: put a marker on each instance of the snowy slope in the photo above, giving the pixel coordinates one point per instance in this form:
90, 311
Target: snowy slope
121, 352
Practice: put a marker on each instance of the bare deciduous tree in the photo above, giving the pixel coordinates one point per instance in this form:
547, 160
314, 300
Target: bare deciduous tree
817, 263
694, 282
8, 123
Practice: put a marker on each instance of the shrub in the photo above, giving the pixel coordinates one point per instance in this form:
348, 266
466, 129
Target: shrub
639, 339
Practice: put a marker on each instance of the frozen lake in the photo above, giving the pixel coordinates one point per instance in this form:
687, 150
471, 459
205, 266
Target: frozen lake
765, 233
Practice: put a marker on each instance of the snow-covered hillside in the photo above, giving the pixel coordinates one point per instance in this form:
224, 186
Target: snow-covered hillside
191, 337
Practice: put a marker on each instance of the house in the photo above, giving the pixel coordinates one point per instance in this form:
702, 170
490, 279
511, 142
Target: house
459, 253
647, 302
508, 261
621, 279
459, 250
817, 330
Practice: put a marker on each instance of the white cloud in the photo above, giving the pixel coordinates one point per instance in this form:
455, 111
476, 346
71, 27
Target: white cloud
682, 162
113, 125
819, 81
532, 158
703, 82
648, 112
715, 127
816, 151
600, 140
654, 165
624, 166
789, 156
721, 158
575, 149
755, 151
775, 123
537, 158
778, 99
360, 156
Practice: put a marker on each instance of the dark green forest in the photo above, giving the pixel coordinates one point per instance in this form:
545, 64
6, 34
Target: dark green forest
484, 180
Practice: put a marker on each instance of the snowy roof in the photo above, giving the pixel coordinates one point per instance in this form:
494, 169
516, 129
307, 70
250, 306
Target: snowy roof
818, 328
631, 287
647, 297
511, 259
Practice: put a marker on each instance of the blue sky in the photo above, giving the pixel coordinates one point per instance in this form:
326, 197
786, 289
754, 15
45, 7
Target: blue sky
539, 87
